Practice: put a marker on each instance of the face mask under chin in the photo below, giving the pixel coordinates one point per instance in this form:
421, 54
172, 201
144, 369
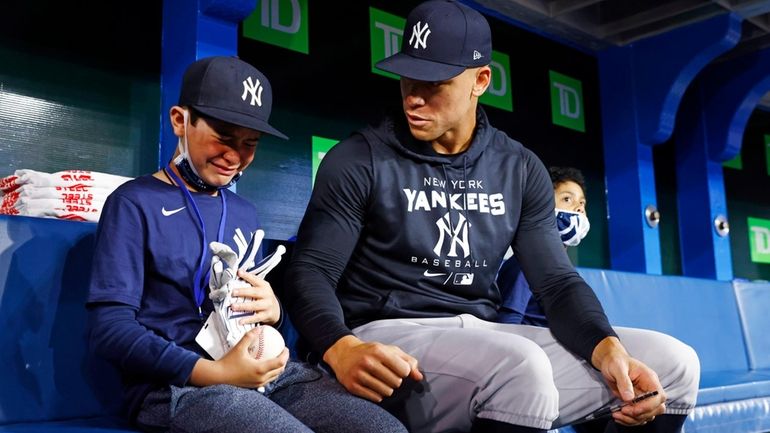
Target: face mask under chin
189, 175
187, 169
573, 226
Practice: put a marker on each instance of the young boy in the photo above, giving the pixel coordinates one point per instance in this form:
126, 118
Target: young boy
149, 298
518, 305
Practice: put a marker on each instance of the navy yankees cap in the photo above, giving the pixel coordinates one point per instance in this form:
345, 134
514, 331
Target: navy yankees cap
230, 90
441, 39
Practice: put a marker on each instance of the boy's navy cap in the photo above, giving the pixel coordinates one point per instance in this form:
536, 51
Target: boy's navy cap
230, 90
441, 39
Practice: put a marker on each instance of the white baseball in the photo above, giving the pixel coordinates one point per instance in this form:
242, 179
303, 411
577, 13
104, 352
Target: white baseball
269, 344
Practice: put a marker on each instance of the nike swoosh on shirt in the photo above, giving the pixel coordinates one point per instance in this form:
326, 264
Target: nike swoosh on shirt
433, 274
171, 212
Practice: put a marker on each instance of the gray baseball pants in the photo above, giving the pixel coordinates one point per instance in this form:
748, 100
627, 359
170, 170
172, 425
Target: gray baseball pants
518, 374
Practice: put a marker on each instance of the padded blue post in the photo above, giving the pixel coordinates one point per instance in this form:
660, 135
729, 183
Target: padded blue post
640, 95
712, 132
700, 198
192, 30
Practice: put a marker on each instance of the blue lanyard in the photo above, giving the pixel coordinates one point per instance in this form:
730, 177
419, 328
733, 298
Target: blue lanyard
198, 290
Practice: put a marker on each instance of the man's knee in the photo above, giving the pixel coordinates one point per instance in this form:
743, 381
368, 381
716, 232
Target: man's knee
520, 384
684, 374
677, 366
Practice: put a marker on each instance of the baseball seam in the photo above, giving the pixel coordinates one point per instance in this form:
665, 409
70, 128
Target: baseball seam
261, 344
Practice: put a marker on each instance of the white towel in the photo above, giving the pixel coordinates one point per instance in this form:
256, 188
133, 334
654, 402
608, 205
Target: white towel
70, 194
63, 179
80, 210
29, 191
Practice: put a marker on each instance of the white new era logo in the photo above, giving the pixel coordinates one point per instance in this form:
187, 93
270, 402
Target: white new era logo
253, 89
419, 35
476, 55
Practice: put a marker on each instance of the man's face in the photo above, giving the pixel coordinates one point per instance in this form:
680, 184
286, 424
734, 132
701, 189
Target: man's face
569, 196
439, 111
220, 150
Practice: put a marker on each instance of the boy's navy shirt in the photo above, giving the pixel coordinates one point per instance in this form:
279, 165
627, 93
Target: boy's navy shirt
148, 248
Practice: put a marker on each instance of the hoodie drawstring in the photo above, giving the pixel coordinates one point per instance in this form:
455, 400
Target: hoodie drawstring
465, 204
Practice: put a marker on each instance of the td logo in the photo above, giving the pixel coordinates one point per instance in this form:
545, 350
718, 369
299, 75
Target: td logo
385, 34
319, 147
279, 22
759, 239
567, 101
499, 93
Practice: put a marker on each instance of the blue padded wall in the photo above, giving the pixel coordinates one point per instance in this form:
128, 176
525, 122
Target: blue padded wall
46, 373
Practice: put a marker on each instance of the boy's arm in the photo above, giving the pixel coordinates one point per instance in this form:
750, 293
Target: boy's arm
117, 336
116, 290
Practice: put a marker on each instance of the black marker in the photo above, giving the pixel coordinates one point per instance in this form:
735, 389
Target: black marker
609, 410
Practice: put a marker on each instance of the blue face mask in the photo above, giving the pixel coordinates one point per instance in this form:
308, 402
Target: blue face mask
573, 226
187, 170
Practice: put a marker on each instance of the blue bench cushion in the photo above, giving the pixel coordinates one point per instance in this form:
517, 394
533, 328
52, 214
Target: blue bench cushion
734, 393
733, 385
754, 304
742, 416
47, 373
702, 313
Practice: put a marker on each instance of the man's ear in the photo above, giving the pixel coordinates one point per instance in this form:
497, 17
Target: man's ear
177, 117
483, 79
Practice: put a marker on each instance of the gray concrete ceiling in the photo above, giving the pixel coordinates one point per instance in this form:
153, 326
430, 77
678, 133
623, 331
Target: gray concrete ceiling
595, 24
598, 24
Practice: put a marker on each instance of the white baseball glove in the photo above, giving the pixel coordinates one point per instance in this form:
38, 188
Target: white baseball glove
225, 264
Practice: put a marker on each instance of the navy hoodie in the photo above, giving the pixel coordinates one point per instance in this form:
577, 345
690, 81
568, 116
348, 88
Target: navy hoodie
395, 230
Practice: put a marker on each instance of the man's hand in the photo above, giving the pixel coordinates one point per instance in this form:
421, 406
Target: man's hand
368, 369
238, 367
259, 299
628, 377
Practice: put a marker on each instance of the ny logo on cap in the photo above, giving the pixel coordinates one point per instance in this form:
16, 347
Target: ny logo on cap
253, 89
419, 35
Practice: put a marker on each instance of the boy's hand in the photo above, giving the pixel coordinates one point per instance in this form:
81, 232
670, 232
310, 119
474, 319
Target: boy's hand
238, 367
260, 300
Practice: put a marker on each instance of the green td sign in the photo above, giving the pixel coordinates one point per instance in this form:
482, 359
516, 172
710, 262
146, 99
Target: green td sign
735, 163
759, 239
499, 92
567, 101
279, 22
385, 34
319, 147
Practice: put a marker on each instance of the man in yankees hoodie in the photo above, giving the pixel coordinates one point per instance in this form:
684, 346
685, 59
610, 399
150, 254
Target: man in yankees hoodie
392, 281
